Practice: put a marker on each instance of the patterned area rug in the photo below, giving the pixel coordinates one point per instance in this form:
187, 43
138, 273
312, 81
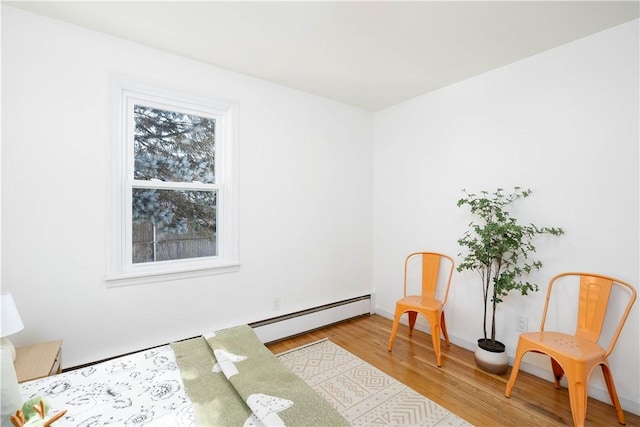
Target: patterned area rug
364, 395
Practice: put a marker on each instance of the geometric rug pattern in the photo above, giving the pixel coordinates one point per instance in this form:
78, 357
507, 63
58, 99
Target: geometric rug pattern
363, 394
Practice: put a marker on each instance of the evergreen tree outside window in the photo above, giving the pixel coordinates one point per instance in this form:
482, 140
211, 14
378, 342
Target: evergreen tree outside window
173, 192
179, 148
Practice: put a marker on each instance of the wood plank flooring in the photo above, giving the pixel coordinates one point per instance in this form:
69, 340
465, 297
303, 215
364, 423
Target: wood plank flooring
458, 385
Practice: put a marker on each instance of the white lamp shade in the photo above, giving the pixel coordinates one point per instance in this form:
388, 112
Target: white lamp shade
11, 321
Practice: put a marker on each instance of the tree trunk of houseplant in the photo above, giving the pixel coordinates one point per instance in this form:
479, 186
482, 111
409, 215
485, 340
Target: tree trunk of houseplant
490, 354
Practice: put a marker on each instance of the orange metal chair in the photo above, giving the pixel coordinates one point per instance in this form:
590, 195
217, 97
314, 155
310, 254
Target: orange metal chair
427, 303
577, 355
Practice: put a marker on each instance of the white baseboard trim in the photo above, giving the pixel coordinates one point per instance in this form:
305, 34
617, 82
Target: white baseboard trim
303, 321
595, 392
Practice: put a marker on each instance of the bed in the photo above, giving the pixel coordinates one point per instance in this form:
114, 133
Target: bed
225, 378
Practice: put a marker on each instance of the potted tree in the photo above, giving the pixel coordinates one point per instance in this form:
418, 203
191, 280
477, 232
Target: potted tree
499, 249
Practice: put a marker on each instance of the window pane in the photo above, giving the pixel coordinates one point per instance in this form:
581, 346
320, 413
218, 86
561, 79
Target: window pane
173, 224
172, 146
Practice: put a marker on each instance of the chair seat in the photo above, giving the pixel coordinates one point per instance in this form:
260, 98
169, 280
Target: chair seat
558, 343
420, 302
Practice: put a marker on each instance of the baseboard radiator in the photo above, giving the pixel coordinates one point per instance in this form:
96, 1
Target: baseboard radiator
297, 323
289, 325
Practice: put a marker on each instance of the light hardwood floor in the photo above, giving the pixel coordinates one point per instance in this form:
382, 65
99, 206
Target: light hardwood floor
458, 385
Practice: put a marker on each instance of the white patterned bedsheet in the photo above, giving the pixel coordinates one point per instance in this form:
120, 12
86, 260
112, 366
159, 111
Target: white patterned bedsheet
144, 388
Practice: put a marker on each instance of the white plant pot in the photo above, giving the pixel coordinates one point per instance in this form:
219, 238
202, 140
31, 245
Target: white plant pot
494, 362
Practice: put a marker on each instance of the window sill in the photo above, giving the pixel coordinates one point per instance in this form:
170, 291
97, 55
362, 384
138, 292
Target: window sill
116, 280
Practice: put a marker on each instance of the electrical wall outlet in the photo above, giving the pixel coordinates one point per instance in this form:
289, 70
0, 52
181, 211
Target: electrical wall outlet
277, 304
522, 324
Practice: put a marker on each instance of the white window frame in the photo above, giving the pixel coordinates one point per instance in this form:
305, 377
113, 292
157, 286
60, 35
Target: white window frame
121, 270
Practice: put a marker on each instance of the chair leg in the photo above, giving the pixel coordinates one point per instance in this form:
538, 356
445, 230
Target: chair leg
514, 372
435, 339
558, 373
394, 329
611, 387
443, 326
578, 399
412, 321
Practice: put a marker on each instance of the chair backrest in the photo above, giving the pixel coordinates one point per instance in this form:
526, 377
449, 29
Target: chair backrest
430, 272
593, 301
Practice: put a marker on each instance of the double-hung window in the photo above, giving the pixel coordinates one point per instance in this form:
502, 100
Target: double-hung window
172, 203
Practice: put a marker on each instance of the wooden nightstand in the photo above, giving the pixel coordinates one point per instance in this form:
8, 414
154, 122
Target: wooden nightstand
38, 360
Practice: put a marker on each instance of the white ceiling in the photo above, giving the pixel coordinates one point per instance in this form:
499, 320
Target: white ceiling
370, 54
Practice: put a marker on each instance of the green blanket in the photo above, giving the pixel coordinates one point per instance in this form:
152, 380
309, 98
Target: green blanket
234, 380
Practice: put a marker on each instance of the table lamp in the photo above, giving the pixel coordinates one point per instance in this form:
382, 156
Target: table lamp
11, 322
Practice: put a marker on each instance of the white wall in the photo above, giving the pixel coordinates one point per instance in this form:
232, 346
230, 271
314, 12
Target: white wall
563, 123
305, 202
